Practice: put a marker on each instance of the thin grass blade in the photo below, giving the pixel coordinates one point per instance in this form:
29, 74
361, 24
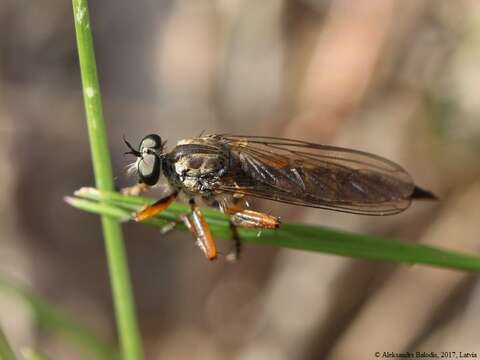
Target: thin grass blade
6, 352
59, 323
298, 236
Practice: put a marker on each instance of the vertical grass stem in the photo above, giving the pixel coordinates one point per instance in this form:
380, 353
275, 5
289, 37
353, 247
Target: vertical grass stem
117, 262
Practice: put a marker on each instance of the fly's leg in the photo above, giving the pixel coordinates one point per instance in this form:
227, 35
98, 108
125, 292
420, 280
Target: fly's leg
171, 225
236, 204
197, 224
241, 217
248, 219
255, 219
136, 189
234, 254
150, 211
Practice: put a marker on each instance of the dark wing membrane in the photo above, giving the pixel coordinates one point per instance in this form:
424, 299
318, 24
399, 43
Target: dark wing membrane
306, 174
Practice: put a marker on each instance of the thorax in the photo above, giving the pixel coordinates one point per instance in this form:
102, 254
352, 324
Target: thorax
196, 165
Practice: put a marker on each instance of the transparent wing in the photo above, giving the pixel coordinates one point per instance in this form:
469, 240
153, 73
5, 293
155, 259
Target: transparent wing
306, 174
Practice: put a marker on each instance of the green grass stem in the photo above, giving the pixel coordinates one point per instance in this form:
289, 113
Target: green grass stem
292, 236
119, 275
6, 352
58, 322
29, 354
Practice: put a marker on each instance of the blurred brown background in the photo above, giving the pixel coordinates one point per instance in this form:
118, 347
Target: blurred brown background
397, 78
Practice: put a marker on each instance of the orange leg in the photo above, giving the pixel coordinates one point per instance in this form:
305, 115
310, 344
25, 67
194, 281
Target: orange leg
198, 226
255, 219
241, 217
195, 222
150, 211
248, 218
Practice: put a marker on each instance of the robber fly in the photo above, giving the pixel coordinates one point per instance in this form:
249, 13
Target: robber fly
223, 169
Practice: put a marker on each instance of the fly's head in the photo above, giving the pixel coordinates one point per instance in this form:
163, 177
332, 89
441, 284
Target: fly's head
150, 156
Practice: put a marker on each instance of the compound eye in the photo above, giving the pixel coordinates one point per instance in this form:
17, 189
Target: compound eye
149, 169
152, 141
